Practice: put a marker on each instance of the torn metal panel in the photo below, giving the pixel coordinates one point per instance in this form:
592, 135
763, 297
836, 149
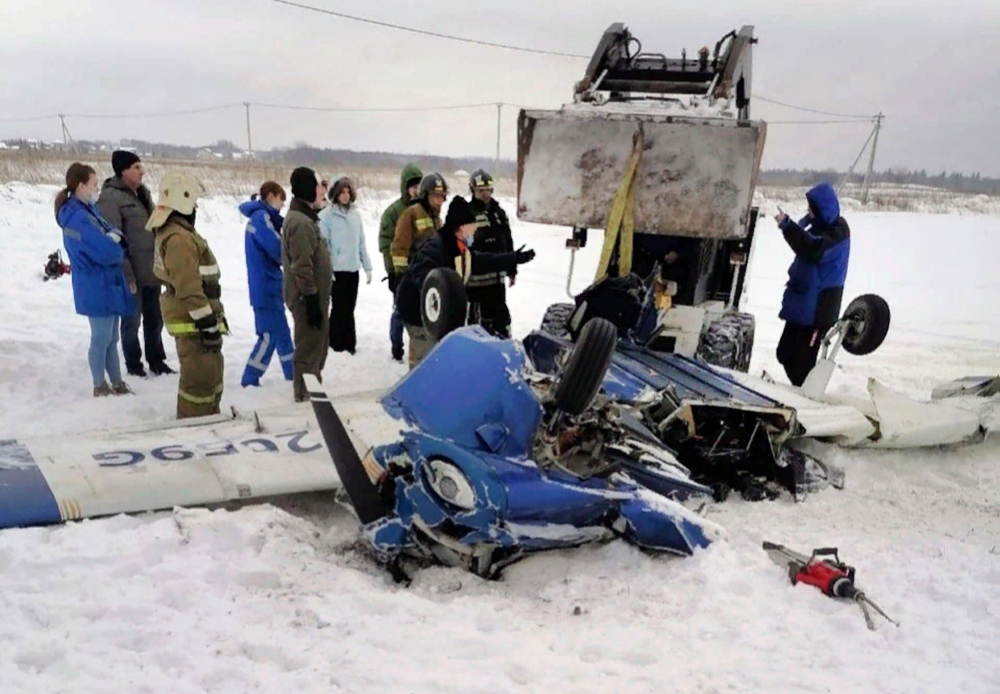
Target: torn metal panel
906, 423
821, 420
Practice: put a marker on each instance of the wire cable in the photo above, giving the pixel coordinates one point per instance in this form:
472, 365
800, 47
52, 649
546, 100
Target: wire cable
164, 114
338, 109
809, 110
424, 32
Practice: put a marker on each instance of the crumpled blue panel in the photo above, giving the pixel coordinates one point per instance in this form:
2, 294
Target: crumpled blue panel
654, 527
470, 381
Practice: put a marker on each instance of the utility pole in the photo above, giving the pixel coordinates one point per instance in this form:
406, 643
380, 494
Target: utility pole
850, 171
871, 160
496, 169
66, 137
249, 141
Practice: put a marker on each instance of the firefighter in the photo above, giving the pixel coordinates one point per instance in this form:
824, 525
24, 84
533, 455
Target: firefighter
448, 248
419, 221
487, 293
192, 311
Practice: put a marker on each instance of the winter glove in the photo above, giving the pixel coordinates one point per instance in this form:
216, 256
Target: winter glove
209, 334
524, 256
393, 282
313, 314
368, 275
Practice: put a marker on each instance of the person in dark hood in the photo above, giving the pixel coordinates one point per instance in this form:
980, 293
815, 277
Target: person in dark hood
448, 248
127, 204
811, 304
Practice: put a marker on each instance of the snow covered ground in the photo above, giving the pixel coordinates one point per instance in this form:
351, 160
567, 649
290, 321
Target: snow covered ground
280, 598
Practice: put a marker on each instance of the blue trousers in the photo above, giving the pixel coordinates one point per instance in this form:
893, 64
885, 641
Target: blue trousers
272, 334
103, 353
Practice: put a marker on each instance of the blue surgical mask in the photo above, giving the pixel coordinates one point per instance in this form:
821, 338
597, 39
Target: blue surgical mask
469, 240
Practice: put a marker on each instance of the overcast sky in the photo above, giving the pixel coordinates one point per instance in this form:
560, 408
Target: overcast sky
932, 67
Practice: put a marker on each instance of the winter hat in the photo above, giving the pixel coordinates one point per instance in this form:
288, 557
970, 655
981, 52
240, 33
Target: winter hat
459, 213
121, 159
338, 186
304, 181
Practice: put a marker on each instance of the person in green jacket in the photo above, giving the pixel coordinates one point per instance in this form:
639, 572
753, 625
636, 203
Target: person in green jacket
409, 184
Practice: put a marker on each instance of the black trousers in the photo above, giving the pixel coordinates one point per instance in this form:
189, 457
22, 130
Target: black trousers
147, 312
488, 308
798, 349
343, 299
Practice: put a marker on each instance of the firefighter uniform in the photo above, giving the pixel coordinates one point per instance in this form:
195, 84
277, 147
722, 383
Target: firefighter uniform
486, 292
418, 222
191, 305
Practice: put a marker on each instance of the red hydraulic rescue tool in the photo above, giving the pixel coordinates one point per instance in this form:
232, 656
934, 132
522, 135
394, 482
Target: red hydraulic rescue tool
832, 576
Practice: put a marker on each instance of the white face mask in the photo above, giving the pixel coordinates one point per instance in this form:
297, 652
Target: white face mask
94, 196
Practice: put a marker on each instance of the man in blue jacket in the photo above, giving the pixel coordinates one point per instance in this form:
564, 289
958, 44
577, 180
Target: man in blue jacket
264, 275
821, 242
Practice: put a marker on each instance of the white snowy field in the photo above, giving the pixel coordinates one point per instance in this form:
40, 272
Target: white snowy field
279, 599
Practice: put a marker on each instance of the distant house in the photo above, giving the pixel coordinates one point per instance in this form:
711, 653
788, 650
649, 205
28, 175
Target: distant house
205, 154
461, 173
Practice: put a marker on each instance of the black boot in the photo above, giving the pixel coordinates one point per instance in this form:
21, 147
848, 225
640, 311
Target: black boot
160, 369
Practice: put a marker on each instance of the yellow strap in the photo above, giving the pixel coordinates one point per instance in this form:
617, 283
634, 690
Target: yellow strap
621, 221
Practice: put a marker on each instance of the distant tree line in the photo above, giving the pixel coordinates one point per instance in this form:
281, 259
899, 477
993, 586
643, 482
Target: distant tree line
305, 154
957, 182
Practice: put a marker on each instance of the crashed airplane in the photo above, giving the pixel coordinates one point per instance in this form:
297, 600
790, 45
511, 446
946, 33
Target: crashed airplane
622, 417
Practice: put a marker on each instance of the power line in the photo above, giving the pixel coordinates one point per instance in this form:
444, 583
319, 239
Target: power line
809, 110
28, 118
164, 114
815, 122
424, 32
338, 109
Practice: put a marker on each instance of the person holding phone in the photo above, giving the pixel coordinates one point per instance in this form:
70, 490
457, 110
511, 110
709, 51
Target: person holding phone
811, 303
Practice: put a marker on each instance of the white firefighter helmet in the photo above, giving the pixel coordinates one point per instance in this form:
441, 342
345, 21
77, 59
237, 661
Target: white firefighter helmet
179, 192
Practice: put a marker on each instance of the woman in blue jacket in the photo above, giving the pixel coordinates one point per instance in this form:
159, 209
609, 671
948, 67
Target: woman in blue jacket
340, 225
821, 242
100, 291
263, 249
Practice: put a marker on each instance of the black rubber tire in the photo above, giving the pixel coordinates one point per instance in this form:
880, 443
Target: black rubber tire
586, 366
555, 322
728, 342
443, 302
870, 318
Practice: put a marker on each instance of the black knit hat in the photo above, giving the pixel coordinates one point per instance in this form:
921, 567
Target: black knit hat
304, 182
459, 213
121, 159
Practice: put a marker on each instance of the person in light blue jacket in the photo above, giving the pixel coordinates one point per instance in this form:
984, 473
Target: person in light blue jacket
262, 242
100, 290
340, 225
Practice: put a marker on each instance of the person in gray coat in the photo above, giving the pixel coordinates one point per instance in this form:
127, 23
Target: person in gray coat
126, 204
